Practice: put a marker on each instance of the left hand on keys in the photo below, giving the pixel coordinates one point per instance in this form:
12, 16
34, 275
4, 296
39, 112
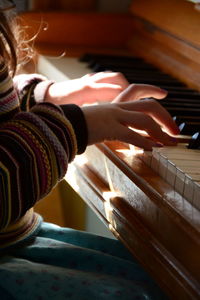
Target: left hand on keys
100, 87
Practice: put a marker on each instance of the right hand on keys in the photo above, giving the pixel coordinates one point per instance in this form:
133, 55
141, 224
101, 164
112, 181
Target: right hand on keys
111, 121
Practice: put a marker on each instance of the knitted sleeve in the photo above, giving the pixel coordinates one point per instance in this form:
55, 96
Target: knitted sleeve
31, 90
35, 148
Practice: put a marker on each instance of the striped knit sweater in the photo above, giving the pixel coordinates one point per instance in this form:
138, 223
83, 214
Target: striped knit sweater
37, 140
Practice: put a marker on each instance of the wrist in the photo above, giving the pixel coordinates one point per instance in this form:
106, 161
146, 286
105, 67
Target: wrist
76, 116
41, 91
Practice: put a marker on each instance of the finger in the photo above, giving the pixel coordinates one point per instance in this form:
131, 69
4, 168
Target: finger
129, 136
156, 111
144, 122
139, 91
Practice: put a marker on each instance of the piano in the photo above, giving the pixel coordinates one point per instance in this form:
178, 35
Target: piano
149, 200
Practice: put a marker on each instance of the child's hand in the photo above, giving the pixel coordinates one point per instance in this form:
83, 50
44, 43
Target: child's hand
100, 87
111, 121
91, 88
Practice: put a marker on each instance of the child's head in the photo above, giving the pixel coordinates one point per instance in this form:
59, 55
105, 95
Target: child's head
8, 43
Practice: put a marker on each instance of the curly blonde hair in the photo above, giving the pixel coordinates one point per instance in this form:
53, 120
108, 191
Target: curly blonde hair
15, 46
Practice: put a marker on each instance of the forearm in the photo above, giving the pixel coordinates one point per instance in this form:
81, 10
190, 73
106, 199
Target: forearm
35, 149
34, 154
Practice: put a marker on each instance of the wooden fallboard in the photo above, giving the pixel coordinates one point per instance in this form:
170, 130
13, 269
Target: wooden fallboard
177, 17
157, 224
74, 33
167, 35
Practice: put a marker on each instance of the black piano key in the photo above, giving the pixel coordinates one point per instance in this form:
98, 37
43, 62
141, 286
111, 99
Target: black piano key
193, 95
180, 104
181, 101
120, 65
123, 69
159, 82
195, 141
85, 57
134, 75
177, 89
131, 71
88, 57
181, 119
177, 111
115, 63
147, 75
155, 80
188, 128
137, 73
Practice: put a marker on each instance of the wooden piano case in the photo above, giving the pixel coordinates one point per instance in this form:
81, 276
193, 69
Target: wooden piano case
157, 224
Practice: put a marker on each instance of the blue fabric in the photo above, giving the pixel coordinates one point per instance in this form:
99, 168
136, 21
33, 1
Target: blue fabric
62, 263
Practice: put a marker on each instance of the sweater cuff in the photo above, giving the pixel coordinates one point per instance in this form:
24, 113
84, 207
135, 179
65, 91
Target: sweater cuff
76, 117
41, 89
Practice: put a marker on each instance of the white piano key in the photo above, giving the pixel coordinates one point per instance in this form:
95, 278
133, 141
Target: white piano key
179, 181
163, 163
183, 156
155, 160
180, 149
189, 187
181, 163
194, 177
196, 195
146, 157
179, 167
188, 190
173, 149
191, 170
171, 174
174, 164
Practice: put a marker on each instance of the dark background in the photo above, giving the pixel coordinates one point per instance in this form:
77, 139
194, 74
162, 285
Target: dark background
103, 5
22, 5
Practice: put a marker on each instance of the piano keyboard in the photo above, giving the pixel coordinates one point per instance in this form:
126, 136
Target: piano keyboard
179, 166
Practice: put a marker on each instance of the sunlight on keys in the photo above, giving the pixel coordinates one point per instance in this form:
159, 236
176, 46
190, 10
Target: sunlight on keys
133, 150
109, 177
108, 195
81, 160
109, 209
71, 178
107, 206
70, 175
